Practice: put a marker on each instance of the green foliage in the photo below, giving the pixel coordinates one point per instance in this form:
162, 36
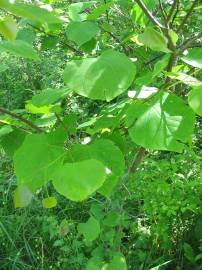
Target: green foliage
104, 77
102, 132
166, 121
33, 166
19, 48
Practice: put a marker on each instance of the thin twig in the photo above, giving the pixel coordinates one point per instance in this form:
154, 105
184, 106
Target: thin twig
172, 10
164, 15
21, 119
187, 44
137, 161
149, 14
181, 26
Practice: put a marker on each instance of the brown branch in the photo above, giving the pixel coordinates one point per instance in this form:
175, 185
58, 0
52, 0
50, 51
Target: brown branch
181, 26
187, 44
21, 119
137, 161
149, 14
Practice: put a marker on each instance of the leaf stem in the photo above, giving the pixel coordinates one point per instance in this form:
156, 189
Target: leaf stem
20, 118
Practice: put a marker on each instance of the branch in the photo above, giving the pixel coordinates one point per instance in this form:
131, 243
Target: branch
170, 15
137, 161
181, 26
162, 10
187, 44
149, 14
20, 118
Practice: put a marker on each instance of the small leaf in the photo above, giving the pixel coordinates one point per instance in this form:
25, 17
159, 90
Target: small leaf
94, 263
195, 100
5, 130
154, 40
8, 28
49, 96
49, 202
98, 11
186, 79
118, 262
31, 108
19, 48
22, 196
77, 10
194, 57
90, 229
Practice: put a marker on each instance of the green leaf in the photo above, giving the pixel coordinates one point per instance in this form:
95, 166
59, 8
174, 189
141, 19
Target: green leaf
109, 185
104, 77
77, 181
82, 32
101, 149
12, 141
195, 100
112, 219
118, 262
98, 11
90, 229
32, 12
57, 137
36, 161
31, 108
22, 196
94, 263
160, 65
8, 28
49, 96
193, 57
5, 130
186, 79
19, 48
154, 40
77, 10
49, 202
164, 123
27, 35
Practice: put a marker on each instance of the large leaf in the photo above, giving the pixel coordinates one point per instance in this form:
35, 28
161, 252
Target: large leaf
36, 161
164, 123
90, 229
32, 12
82, 32
154, 40
103, 150
76, 181
49, 96
195, 100
108, 153
104, 77
19, 48
194, 57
